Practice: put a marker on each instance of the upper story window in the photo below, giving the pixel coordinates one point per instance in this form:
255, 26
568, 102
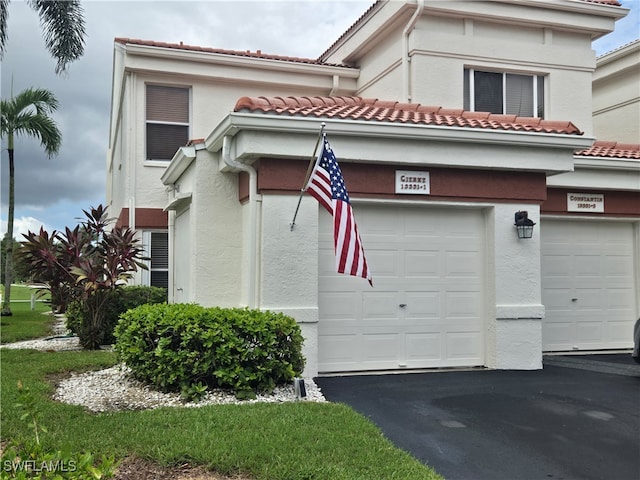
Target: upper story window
167, 121
504, 93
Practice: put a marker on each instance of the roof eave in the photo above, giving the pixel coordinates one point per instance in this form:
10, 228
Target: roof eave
238, 60
303, 130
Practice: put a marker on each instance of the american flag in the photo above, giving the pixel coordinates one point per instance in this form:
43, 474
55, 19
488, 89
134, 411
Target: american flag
327, 186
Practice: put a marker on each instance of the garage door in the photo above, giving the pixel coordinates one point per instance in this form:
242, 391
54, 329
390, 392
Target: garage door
588, 285
425, 308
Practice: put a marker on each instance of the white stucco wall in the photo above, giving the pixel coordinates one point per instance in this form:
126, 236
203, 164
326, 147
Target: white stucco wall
218, 231
289, 266
616, 95
515, 339
526, 37
442, 47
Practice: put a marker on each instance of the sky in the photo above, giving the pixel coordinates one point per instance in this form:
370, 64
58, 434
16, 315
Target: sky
53, 192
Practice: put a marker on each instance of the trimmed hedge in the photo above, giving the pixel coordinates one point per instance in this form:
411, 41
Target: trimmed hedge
118, 301
188, 348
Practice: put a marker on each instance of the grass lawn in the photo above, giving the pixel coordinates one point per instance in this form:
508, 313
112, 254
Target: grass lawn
25, 324
300, 440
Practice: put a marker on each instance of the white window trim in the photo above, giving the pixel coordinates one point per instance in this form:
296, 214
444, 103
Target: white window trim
159, 162
472, 95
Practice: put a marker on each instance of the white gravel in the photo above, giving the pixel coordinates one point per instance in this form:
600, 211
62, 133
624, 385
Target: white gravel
113, 389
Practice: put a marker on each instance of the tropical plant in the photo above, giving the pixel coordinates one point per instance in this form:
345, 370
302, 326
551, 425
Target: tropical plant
85, 264
50, 264
27, 114
63, 29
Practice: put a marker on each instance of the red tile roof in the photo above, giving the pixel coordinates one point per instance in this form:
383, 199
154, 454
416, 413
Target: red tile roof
612, 149
615, 3
357, 108
238, 53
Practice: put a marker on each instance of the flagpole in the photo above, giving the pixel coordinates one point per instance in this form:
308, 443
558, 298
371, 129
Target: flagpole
309, 170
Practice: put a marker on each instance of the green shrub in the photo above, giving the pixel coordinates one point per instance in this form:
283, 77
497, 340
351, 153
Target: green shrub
118, 301
186, 347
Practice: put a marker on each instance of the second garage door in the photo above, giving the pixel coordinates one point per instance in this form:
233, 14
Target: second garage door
426, 306
588, 285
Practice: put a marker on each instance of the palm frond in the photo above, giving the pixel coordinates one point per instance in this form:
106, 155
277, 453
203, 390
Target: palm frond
27, 114
4, 16
41, 127
63, 29
41, 99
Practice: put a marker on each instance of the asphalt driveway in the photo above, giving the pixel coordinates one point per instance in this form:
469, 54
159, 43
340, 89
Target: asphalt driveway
578, 418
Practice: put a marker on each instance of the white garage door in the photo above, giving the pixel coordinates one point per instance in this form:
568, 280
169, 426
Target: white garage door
425, 308
588, 285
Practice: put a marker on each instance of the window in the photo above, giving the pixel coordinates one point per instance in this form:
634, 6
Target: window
505, 93
157, 244
167, 121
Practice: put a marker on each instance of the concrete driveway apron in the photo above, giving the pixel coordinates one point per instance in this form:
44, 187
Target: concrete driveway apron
578, 418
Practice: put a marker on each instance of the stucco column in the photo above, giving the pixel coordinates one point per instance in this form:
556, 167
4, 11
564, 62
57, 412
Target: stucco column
515, 336
289, 266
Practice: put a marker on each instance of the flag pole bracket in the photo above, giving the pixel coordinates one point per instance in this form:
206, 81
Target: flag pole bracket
312, 162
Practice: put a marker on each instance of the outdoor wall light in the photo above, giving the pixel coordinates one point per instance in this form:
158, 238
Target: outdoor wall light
524, 225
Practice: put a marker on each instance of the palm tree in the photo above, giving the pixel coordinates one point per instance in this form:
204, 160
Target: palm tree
63, 28
26, 114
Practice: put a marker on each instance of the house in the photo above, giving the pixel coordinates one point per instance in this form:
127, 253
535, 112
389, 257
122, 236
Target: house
489, 104
616, 95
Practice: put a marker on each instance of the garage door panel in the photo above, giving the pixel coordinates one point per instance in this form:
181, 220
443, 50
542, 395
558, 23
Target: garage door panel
590, 332
422, 346
556, 265
616, 267
463, 345
380, 347
382, 305
588, 265
559, 334
617, 300
417, 256
340, 306
589, 285
387, 262
617, 331
557, 298
461, 264
588, 298
421, 264
342, 349
422, 305
462, 304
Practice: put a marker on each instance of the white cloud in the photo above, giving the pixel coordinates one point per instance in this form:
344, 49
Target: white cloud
22, 225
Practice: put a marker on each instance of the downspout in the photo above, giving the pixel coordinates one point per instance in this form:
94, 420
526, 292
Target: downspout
406, 60
171, 259
253, 215
335, 85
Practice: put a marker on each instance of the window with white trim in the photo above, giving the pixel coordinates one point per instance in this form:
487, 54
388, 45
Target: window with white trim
504, 93
167, 121
157, 249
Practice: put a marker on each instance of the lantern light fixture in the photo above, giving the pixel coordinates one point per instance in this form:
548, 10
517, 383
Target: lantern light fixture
524, 226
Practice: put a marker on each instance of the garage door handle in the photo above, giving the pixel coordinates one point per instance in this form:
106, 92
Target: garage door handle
402, 305
574, 299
